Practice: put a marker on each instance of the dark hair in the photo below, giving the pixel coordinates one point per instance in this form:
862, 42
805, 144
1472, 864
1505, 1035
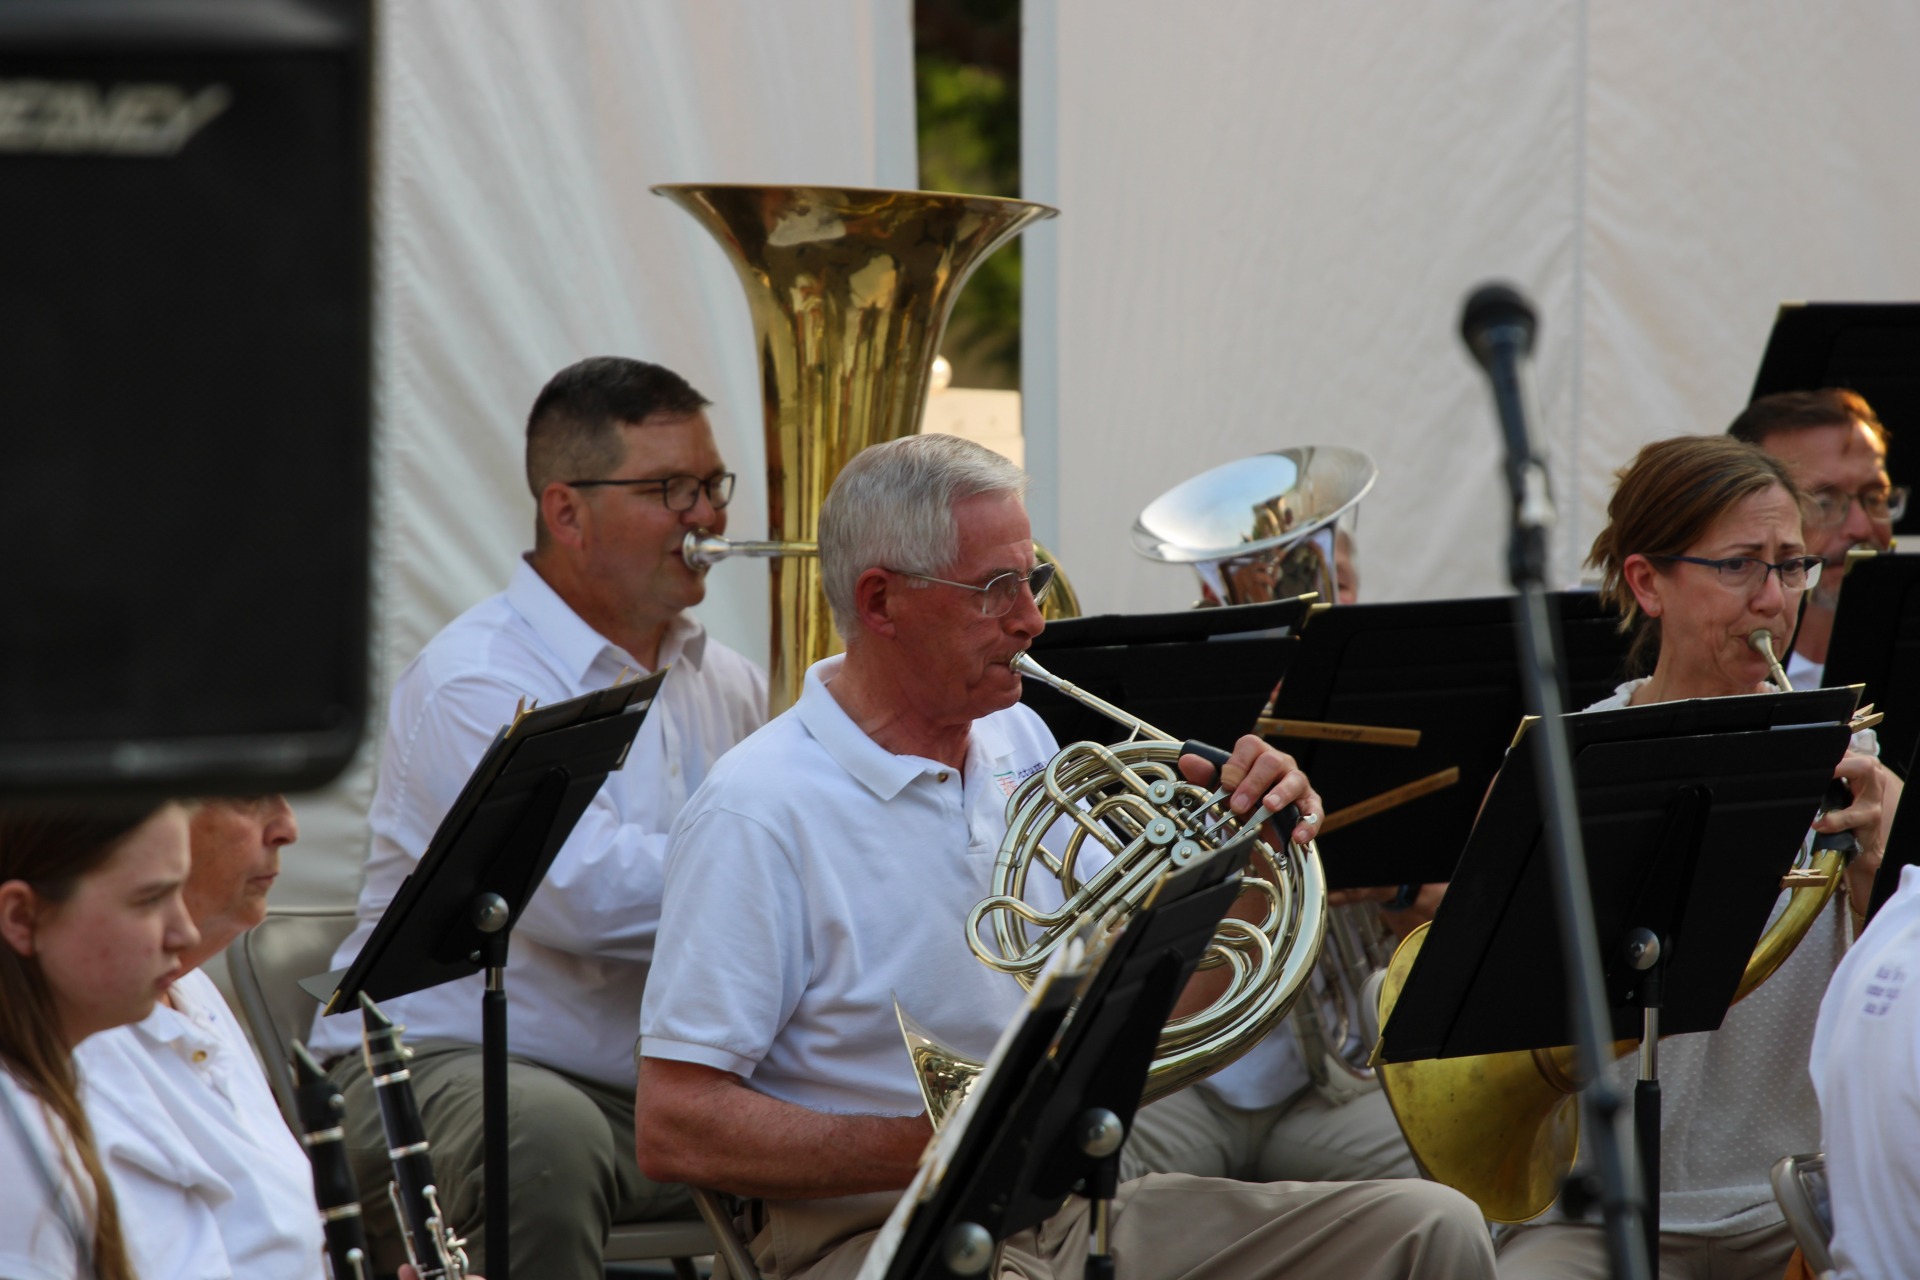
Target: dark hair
1662, 502
573, 430
1800, 410
50, 850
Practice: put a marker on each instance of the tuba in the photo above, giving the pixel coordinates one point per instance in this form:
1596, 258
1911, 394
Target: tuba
1502, 1128
1266, 528
849, 290
1131, 803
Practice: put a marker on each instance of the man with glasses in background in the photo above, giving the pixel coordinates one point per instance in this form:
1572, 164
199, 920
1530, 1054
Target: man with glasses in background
1837, 450
622, 462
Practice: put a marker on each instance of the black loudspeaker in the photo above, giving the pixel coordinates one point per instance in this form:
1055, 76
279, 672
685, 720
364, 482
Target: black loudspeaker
184, 394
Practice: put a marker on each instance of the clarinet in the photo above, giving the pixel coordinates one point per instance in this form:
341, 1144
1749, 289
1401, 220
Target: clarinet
321, 1106
435, 1252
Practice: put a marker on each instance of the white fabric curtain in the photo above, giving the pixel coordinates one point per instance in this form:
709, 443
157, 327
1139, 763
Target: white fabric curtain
515, 145
1271, 214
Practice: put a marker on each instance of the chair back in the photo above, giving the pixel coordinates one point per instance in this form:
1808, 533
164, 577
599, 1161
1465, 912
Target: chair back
266, 964
1800, 1185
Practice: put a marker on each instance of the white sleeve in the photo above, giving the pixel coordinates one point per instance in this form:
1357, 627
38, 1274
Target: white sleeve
35, 1240
165, 1191
600, 897
734, 955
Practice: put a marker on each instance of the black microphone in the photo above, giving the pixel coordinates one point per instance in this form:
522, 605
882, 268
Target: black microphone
1497, 325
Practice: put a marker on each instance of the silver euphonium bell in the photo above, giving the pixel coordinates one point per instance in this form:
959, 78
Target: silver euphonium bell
1264, 528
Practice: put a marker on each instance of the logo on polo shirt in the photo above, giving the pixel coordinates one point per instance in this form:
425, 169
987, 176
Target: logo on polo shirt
1010, 779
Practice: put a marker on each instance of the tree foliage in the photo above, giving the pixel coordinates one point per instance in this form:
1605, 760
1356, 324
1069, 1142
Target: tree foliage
967, 94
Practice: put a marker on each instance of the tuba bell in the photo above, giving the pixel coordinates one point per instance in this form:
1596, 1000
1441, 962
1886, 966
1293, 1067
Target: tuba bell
849, 290
1266, 528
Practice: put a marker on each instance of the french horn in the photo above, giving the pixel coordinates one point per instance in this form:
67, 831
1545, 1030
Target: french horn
1128, 814
1267, 528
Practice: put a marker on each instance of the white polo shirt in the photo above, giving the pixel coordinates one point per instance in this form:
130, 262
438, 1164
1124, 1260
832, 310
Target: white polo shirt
1866, 1069
44, 1207
210, 1181
815, 877
579, 955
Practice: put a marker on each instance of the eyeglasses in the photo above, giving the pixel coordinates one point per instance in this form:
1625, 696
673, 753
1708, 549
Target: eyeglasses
1746, 573
998, 594
678, 492
1884, 506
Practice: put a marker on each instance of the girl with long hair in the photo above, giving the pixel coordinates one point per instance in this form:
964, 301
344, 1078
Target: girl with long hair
92, 925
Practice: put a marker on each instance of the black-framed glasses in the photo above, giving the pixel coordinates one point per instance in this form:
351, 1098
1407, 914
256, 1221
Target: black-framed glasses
678, 492
1745, 573
1000, 593
1883, 506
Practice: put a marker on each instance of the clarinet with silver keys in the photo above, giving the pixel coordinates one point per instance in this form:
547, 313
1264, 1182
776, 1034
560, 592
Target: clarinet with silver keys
435, 1252
321, 1108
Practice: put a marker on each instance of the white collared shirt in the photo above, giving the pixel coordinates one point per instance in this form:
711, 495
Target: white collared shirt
210, 1182
1866, 1068
48, 1217
815, 878
579, 955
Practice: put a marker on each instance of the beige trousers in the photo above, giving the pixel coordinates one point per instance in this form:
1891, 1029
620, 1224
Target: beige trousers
1170, 1226
1304, 1139
1577, 1251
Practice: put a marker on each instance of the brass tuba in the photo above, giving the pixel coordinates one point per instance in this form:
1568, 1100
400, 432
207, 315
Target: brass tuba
1266, 528
1503, 1128
849, 290
1130, 814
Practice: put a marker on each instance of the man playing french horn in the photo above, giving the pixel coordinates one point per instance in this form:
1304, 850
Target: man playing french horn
828, 864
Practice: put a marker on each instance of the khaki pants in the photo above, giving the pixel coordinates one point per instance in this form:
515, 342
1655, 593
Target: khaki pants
1304, 1139
1169, 1226
570, 1158
1574, 1251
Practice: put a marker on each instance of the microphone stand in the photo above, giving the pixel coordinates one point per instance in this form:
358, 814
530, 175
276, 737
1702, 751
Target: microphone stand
1498, 327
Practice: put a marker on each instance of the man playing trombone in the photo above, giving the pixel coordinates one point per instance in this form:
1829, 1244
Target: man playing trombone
828, 864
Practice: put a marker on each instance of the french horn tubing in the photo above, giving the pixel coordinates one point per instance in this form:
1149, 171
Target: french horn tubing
1503, 1128
1129, 815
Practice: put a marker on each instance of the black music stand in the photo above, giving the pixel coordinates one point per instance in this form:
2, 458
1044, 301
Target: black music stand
1401, 713
1201, 673
454, 915
1702, 805
1876, 643
1053, 1116
1871, 347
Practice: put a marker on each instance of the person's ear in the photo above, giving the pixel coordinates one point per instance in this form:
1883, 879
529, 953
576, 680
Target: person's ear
1646, 582
874, 601
19, 911
564, 512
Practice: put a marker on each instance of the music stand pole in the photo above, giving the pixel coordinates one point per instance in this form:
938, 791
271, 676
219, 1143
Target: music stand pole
1498, 327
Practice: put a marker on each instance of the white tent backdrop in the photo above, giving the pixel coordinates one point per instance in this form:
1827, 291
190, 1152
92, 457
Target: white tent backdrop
1272, 212
515, 234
